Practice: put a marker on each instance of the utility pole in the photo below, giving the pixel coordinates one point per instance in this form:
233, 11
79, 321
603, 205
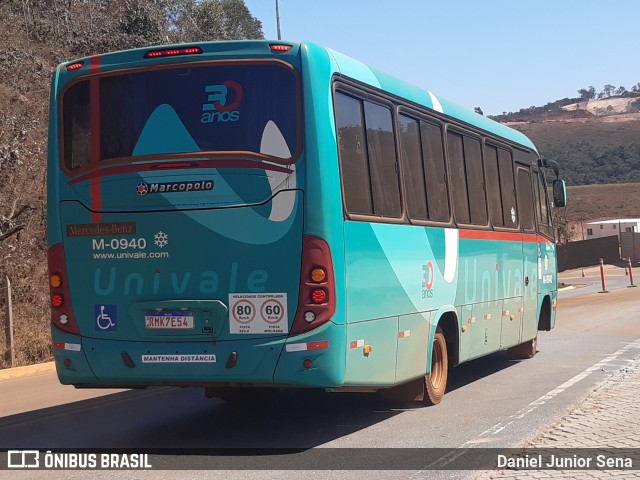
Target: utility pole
278, 20
10, 355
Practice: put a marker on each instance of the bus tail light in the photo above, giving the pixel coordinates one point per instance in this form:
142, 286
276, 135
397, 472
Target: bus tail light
173, 52
279, 48
55, 280
317, 298
61, 311
74, 66
57, 300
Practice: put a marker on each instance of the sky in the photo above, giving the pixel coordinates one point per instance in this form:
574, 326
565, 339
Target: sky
499, 55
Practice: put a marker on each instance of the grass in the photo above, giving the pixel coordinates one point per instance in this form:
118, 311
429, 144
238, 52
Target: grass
603, 202
597, 132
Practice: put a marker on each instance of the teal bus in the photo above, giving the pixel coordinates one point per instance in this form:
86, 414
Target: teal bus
244, 215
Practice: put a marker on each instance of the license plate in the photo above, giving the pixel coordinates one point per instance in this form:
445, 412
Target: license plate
169, 320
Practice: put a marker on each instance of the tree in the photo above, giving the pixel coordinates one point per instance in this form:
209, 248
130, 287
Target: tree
203, 21
587, 93
621, 90
217, 20
478, 110
91, 26
562, 225
239, 21
139, 19
608, 90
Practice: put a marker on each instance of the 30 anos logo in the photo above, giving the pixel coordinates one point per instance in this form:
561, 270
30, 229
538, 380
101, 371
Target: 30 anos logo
428, 278
223, 102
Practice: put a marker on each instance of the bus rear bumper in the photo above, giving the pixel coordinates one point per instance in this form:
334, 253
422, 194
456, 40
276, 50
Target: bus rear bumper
70, 359
314, 359
90, 362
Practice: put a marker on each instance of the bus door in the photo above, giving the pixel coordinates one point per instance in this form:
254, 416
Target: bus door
530, 254
547, 263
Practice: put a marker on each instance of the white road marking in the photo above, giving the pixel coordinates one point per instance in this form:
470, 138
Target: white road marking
499, 427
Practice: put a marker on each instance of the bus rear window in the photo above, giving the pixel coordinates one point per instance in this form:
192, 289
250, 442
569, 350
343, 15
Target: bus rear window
185, 109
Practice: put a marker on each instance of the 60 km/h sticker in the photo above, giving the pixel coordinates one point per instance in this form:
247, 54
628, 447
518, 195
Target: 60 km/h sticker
258, 313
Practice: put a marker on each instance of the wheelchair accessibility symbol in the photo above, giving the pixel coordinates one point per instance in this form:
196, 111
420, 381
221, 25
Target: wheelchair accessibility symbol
106, 320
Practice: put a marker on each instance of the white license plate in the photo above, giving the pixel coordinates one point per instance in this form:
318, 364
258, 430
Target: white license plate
169, 321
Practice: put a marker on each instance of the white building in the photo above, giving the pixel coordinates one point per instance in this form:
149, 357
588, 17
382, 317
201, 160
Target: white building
609, 228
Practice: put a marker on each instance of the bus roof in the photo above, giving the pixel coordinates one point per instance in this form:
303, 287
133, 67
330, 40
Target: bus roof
360, 71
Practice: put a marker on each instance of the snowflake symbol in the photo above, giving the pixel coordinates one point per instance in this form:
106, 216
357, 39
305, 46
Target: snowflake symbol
161, 239
142, 189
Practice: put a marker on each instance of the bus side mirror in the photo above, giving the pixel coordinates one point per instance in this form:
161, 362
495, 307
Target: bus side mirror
559, 193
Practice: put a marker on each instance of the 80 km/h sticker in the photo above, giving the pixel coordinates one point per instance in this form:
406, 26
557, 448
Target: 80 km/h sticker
258, 313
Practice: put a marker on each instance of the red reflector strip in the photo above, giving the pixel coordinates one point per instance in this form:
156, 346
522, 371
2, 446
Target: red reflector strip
505, 313
172, 52
74, 347
303, 347
404, 334
318, 345
471, 320
501, 236
357, 343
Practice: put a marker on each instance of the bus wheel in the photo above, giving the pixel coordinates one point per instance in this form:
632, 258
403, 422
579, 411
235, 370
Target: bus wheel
524, 350
436, 381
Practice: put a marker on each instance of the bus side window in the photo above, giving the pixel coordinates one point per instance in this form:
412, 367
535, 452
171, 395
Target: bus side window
426, 179
458, 178
494, 197
475, 181
383, 168
356, 184
411, 150
509, 210
544, 220
525, 199
467, 179
435, 172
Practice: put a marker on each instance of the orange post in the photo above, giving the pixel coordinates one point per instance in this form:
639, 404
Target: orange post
604, 283
631, 274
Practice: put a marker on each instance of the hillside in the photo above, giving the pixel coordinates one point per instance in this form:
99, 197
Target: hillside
597, 202
590, 150
599, 157
594, 137
604, 132
603, 202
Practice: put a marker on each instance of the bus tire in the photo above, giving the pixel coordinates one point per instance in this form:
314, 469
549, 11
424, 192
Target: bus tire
524, 350
435, 382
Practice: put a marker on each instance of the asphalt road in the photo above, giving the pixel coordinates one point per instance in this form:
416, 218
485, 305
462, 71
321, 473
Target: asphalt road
491, 402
